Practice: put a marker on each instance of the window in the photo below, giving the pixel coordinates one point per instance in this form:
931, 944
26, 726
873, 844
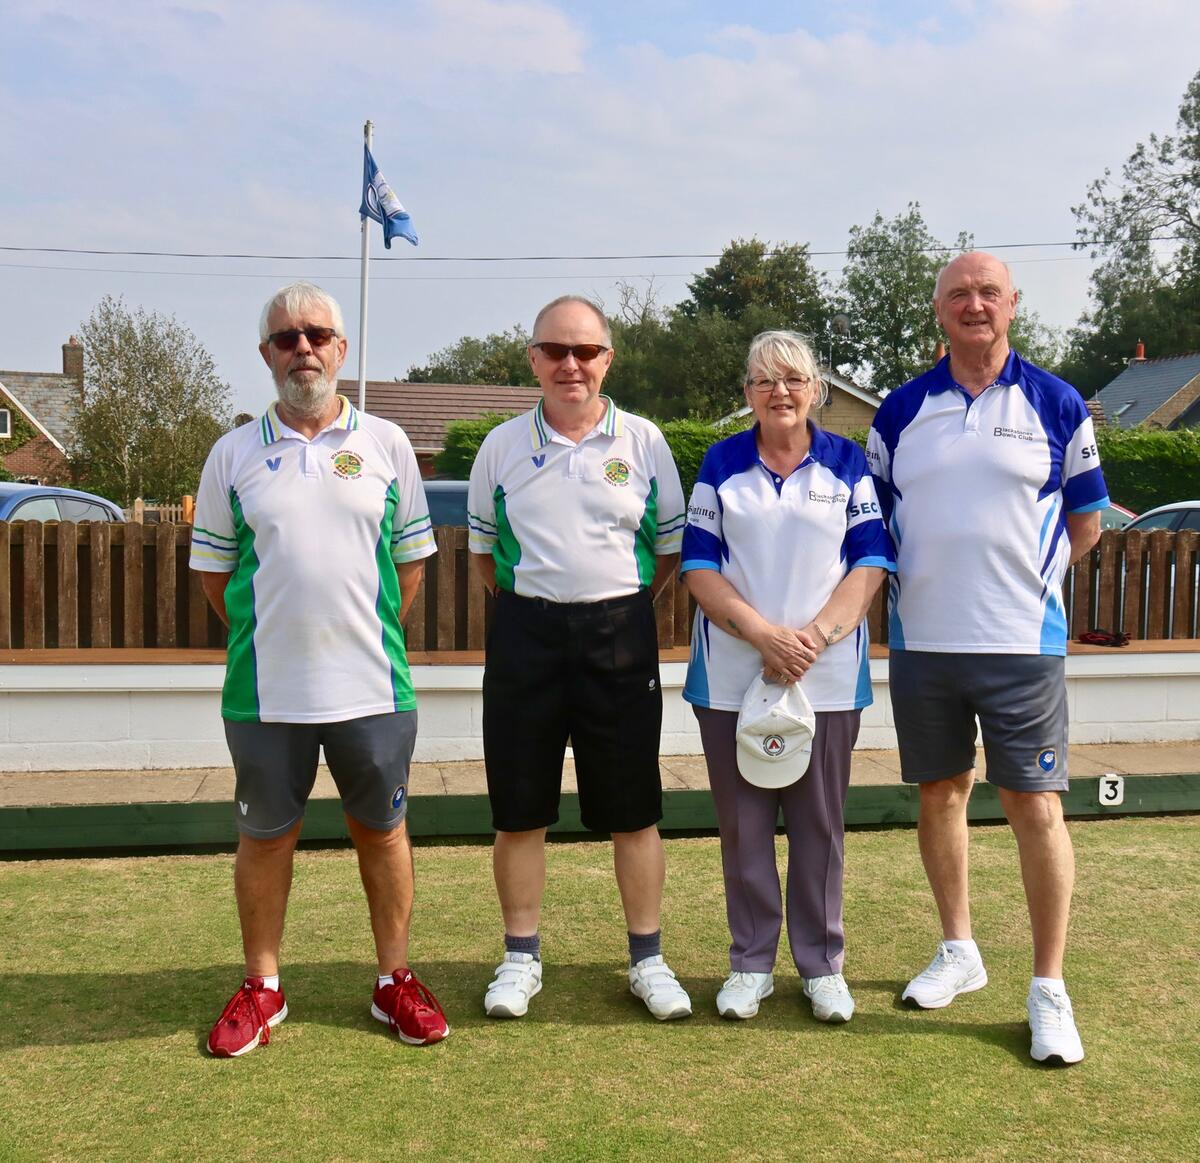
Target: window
1166, 520
1123, 409
5, 423
77, 510
1191, 520
35, 509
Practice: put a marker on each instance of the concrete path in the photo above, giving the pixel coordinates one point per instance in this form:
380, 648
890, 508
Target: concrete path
215, 784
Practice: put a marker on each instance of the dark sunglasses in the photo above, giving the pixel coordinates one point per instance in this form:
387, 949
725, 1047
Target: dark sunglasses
290, 340
584, 352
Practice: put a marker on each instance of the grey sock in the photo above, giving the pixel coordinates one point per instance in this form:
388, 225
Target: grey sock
643, 945
524, 945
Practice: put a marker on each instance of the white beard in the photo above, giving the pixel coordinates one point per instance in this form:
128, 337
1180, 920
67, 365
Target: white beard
307, 399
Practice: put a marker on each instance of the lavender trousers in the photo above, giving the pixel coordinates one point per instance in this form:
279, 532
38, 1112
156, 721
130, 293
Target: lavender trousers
812, 815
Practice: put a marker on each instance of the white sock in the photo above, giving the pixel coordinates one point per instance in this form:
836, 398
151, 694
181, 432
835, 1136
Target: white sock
966, 948
271, 982
386, 979
1054, 984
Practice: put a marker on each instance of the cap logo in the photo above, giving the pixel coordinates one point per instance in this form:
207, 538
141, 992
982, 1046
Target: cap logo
773, 746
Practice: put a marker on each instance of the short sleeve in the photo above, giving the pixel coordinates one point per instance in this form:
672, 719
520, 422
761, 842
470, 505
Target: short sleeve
702, 537
412, 530
481, 501
214, 540
671, 516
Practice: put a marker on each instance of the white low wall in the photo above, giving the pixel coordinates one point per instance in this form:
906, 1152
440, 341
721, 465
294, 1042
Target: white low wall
101, 717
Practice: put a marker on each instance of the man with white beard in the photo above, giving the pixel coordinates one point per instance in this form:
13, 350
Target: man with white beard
310, 536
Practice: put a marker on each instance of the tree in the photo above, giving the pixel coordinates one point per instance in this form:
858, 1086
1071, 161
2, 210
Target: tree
887, 292
1138, 292
750, 274
152, 405
499, 359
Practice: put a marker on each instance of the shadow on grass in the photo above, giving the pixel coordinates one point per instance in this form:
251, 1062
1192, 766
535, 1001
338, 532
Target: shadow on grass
48, 1009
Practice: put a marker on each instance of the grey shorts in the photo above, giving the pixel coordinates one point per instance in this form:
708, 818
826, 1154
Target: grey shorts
1021, 701
276, 766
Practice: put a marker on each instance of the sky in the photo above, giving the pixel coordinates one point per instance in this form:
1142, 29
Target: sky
596, 133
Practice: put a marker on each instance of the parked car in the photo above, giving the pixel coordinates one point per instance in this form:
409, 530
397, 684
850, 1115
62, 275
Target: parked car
1116, 517
50, 503
447, 502
1177, 515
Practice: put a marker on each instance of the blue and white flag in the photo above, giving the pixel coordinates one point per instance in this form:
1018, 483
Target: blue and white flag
380, 202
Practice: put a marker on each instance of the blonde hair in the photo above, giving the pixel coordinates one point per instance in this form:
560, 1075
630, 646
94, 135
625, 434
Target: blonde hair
780, 354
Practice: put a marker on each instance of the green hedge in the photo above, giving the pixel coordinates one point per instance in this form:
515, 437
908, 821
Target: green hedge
1144, 468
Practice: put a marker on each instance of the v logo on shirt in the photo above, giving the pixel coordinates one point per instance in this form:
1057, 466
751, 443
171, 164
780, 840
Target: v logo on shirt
538, 461
273, 463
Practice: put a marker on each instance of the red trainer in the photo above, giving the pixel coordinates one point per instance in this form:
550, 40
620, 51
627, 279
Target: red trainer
247, 1020
410, 1009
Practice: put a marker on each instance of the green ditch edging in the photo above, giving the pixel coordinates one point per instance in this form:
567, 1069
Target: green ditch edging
126, 826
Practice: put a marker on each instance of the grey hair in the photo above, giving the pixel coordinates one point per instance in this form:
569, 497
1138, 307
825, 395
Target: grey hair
562, 300
937, 285
294, 298
784, 353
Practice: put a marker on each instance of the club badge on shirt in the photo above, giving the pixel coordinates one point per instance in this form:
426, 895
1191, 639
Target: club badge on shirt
616, 472
347, 465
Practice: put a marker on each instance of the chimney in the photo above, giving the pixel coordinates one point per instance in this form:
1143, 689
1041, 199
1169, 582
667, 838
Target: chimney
1139, 353
73, 360
939, 352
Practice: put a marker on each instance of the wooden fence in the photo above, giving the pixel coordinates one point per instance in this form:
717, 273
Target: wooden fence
94, 585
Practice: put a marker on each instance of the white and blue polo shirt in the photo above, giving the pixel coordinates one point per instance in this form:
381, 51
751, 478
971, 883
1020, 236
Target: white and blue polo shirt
311, 531
575, 522
784, 543
976, 493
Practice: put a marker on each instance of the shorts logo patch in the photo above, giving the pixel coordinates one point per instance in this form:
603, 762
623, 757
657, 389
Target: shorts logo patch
397, 797
347, 465
244, 806
1046, 759
653, 684
616, 472
773, 746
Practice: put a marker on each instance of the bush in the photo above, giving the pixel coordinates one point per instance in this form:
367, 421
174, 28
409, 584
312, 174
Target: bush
463, 438
1148, 467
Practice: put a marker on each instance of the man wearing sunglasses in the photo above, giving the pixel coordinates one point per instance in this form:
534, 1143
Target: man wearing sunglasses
310, 536
576, 515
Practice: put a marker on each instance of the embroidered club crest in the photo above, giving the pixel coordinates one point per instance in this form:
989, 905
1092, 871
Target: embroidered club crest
773, 746
616, 472
347, 465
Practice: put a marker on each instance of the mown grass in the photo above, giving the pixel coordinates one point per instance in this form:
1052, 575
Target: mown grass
112, 970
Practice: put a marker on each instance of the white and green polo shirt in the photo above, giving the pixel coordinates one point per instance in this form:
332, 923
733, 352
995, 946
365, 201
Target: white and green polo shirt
311, 531
575, 522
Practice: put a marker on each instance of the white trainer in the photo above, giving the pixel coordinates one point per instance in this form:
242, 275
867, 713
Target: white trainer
1052, 1023
518, 978
948, 975
830, 997
741, 993
653, 981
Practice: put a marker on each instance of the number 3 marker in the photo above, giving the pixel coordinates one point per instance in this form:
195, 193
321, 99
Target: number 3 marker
1112, 790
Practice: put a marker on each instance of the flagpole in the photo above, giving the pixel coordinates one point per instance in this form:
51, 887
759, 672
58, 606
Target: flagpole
368, 132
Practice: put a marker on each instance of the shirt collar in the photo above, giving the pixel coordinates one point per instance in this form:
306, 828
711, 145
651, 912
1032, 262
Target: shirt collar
271, 428
612, 423
1013, 372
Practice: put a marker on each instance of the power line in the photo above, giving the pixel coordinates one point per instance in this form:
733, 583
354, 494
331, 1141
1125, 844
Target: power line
1074, 243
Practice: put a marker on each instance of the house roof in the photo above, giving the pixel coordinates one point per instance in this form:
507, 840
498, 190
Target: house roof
424, 410
49, 399
1145, 386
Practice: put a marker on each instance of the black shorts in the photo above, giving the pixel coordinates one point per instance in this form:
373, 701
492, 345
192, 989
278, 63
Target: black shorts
587, 671
276, 767
1021, 701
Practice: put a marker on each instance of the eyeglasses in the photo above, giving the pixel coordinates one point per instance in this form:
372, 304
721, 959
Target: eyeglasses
584, 352
290, 340
792, 383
